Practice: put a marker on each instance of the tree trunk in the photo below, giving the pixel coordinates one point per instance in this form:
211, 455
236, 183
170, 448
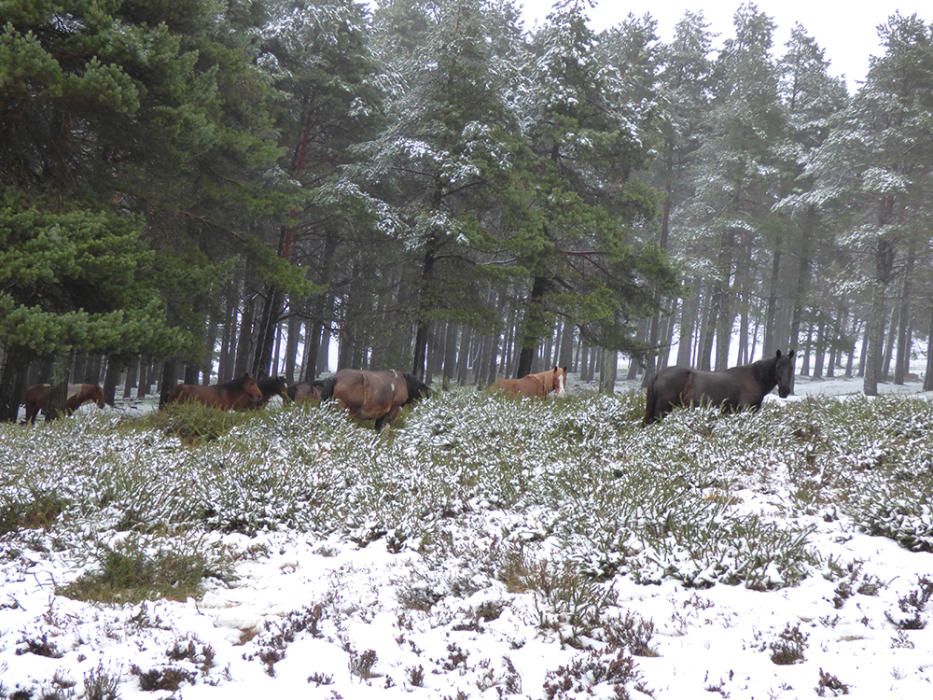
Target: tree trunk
244, 344
608, 371
12, 382
902, 363
291, 344
532, 326
142, 386
801, 289
884, 266
723, 301
115, 366
928, 377
207, 367
820, 348
707, 329
425, 300
688, 321
771, 342
808, 345
132, 374
889, 339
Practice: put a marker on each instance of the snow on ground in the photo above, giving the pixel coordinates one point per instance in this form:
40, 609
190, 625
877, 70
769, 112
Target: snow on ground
483, 643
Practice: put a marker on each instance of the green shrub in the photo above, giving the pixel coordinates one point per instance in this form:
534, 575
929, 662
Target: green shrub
131, 572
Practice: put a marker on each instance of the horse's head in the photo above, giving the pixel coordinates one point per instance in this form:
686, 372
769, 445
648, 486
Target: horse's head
784, 372
274, 386
558, 380
251, 389
99, 396
416, 388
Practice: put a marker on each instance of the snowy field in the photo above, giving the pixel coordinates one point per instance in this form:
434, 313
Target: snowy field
486, 548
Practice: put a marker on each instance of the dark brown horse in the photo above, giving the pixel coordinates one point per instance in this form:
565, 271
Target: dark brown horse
731, 389
37, 398
238, 394
539, 384
273, 386
373, 395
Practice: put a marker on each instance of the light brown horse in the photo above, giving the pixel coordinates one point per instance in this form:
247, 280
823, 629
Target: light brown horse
539, 384
238, 394
375, 396
37, 399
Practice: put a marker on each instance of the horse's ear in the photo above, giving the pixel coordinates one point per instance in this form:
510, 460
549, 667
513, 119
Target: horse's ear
556, 368
790, 355
778, 354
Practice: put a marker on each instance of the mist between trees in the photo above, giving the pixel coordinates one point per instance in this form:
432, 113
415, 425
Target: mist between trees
191, 194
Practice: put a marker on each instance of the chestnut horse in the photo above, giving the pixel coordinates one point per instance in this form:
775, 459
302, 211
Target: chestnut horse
731, 389
373, 395
539, 384
37, 398
238, 394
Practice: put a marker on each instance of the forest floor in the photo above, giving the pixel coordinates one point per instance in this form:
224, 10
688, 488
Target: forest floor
484, 548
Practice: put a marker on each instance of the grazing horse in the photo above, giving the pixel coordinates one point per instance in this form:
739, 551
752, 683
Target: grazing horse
273, 386
305, 391
237, 394
37, 398
539, 384
731, 389
373, 395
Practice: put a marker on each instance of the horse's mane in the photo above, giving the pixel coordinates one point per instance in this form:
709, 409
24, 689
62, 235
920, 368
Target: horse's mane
236, 384
763, 369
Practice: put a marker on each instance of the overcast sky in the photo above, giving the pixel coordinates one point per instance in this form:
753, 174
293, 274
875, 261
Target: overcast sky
846, 29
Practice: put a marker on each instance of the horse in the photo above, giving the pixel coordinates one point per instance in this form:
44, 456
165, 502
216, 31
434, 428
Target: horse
305, 391
731, 389
539, 384
238, 394
373, 395
37, 398
272, 386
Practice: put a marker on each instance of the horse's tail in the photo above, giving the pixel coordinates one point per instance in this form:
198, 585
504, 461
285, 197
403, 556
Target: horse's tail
651, 409
327, 388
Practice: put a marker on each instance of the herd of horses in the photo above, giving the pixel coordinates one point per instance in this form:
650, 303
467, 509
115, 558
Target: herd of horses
380, 395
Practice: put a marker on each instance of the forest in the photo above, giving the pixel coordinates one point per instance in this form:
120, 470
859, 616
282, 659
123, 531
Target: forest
194, 190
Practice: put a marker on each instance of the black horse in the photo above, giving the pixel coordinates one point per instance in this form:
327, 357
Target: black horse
731, 389
273, 386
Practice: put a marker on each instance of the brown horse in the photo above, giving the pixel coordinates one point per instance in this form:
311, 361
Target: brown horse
305, 391
238, 394
273, 386
539, 384
373, 395
731, 389
37, 398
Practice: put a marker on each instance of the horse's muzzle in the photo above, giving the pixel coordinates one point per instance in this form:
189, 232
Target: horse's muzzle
784, 394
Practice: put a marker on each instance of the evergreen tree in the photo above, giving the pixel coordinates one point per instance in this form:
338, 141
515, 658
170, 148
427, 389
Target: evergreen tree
874, 166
